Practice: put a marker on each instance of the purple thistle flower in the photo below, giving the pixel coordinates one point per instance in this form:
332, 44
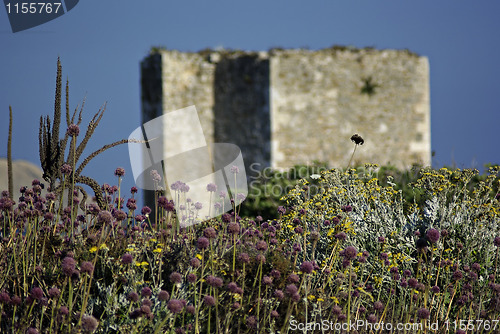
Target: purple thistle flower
341, 236
234, 169
267, 280
146, 292
346, 208
87, 267
209, 300
279, 294
307, 267
146, 210
244, 258
175, 306
211, 187
433, 235
155, 175
293, 278
104, 217
191, 278
210, 233
423, 313
281, 210
457, 275
372, 318
175, 277
291, 289
66, 169
378, 305
203, 243
350, 252
261, 245
336, 310
127, 258
233, 228
163, 295
381, 240
36, 293
133, 296
251, 322
119, 172
194, 262
89, 323
496, 242
412, 282
73, 130
68, 265
435, 289
190, 309
119, 215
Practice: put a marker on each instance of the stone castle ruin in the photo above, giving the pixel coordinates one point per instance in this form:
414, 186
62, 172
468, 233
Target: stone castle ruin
288, 107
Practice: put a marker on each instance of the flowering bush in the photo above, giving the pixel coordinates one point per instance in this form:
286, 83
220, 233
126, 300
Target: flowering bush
345, 247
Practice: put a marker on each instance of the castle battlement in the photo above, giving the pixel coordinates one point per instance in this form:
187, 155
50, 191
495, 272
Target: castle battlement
286, 107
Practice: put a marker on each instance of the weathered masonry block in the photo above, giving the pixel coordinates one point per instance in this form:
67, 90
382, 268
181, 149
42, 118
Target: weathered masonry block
287, 107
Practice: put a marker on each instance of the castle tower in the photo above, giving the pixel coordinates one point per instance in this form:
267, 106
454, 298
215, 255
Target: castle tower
287, 107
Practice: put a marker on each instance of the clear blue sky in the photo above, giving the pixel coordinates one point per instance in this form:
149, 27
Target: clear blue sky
101, 44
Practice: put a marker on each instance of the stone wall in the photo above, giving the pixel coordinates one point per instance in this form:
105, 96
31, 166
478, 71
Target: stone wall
287, 107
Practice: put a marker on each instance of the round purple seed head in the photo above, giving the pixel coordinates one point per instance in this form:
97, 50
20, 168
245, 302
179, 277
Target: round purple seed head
293, 278
146, 292
210, 233
133, 296
104, 217
496, 242
457, 275
32, 330
73, 130
261, 245
89, 323
87, 267
68, 265
267, 280
251, 322
291, 289
433, 235
191, 278
203, 243
307, 267
244, 258
350, 252
163, 295
279, 294
194, 262
381, 240
435, 289
175, 277
66, 169
341, 236
127, 258
175, 306
233, 228
119, 172
412, 282
423, 313
209, 300
37, 293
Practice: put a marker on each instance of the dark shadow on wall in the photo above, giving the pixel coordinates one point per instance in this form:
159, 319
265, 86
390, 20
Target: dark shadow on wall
241, 108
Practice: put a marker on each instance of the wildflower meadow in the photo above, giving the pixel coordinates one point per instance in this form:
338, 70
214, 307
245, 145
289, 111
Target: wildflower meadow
350, 250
